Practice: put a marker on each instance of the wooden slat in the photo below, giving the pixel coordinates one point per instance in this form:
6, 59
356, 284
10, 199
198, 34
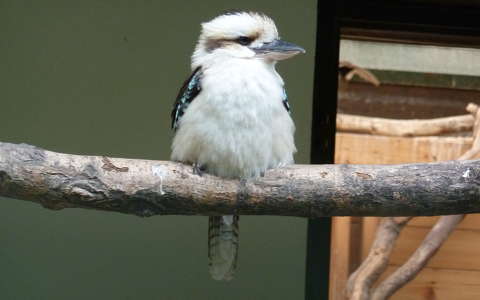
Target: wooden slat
457, 253
369, 149
408, 37
369, 228
356, 228
471, 222
403, 101
340, 256
440, 284
437, 292
460, 251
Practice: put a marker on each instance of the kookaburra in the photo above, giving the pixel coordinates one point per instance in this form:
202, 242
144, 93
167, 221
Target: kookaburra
231, 117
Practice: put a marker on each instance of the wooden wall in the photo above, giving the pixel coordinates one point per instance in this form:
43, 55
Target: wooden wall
454, 272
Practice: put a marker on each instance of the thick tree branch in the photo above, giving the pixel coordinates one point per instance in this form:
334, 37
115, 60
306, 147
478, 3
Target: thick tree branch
146, 188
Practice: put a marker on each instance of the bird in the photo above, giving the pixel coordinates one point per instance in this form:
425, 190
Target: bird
231, 117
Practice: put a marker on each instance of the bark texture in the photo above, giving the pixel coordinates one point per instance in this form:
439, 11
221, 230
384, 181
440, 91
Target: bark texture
360, 282
419, 259
146, 188
393, 127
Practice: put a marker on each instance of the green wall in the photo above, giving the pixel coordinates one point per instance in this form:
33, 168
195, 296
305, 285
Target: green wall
99, 77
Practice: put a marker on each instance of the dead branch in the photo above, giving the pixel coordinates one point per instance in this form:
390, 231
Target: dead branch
359, 283
370, 271
145, 188
347, 70
437, 235
429, 246
392, 127
475, 150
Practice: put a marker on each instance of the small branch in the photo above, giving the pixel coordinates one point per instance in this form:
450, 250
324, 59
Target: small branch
347, 70
392, 127
429, 246
146, 188
475, 150
437, 235
360, 282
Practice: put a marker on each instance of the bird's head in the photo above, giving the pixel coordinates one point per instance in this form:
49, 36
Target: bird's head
247, 35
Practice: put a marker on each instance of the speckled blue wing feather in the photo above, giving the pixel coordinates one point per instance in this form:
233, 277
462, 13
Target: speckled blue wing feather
190, 89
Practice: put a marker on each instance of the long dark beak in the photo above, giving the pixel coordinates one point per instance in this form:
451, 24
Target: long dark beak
278, 50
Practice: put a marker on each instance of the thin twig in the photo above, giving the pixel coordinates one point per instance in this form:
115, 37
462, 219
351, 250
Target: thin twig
359, 283
347, 70
419, 259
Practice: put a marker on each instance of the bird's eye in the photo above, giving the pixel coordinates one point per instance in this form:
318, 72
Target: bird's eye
244, 40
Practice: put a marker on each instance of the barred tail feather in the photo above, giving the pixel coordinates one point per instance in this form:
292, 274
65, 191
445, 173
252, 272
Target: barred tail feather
222, 246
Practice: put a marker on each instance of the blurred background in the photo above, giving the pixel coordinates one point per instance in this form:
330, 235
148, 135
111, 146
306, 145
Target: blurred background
99, 78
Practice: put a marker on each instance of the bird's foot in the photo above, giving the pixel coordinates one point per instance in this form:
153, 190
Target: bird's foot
198, 170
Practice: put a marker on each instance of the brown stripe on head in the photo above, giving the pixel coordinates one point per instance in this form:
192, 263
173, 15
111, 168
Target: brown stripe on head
215, 42
234, 31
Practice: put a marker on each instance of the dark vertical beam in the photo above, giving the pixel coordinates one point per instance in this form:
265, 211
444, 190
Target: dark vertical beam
323, 142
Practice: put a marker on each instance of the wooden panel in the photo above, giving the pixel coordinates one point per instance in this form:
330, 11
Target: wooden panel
471, 222
460, 251
404, 102
456, 271
340, 256
408, 37
440, 284
369, 229
356, 228
369, 149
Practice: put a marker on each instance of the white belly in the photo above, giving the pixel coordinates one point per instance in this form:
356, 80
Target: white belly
238, 129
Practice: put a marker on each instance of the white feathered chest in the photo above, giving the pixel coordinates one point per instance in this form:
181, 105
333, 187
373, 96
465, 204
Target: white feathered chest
238, 125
